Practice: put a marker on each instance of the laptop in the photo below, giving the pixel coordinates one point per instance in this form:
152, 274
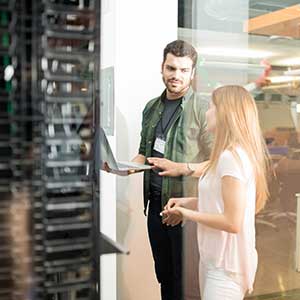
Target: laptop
107, 156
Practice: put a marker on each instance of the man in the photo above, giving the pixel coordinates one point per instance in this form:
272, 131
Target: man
174, 128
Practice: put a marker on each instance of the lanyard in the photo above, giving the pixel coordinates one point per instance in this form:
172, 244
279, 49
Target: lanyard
164, 129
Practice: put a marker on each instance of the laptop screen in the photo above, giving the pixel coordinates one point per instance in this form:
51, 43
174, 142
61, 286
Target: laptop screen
104, 152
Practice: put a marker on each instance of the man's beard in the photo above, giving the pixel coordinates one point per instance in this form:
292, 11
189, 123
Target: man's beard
175, 90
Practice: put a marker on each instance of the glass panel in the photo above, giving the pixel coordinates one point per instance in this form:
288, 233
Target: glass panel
215, 29
234, 39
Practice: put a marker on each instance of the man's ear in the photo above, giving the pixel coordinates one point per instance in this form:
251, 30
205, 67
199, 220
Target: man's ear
162, 67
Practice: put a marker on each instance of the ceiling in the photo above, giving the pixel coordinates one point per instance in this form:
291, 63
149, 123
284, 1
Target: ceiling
215, 43
225, 15
284, 48
260, 7
281, 22
284, 52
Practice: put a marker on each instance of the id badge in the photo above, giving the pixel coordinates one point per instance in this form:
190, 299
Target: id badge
159, 145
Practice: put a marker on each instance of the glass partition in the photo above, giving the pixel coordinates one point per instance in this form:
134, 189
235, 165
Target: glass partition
234, 40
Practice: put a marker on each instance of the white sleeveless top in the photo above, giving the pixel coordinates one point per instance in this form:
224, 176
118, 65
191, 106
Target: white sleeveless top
235, 253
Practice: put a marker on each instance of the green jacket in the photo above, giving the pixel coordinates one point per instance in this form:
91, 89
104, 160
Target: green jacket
187, 141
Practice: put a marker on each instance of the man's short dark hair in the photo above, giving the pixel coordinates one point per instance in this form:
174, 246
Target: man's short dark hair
181, 48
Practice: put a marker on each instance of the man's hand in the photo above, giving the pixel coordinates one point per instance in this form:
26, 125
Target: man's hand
168, 167
263, 80
105, 167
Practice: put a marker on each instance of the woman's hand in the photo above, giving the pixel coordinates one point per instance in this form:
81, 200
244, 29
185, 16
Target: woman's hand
171, 214
174, 202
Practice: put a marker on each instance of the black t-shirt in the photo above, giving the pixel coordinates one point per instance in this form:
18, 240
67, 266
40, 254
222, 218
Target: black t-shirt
161, 131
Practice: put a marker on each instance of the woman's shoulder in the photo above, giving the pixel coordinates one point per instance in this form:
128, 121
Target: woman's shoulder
235, 153
236, 158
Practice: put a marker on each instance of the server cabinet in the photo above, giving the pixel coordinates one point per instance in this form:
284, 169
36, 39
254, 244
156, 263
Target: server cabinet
49, 109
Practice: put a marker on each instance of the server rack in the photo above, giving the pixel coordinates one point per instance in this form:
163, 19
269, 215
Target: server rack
65, 56
49, 102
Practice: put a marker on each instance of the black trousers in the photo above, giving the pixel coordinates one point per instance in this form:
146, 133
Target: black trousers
166, 245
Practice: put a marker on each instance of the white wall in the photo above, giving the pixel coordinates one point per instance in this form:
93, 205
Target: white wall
143, 28
140, 31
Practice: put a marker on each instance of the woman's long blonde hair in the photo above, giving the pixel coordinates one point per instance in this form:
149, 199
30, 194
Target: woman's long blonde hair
237, 124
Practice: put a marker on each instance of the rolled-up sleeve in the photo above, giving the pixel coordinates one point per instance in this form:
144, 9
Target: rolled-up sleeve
205, 138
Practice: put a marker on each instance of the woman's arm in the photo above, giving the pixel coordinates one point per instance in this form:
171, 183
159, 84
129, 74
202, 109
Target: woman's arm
174, 169
174, 219
187, 202
234, 195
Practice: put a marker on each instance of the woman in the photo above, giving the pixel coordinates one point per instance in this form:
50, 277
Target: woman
232, 188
